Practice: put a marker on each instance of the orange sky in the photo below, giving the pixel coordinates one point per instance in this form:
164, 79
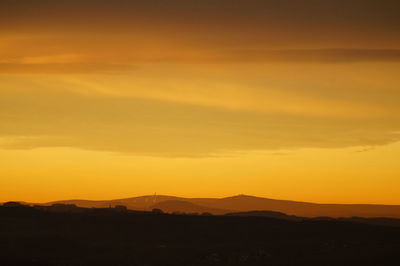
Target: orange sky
291, 99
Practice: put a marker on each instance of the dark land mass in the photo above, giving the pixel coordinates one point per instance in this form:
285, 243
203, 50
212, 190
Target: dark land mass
243, 203
69, 235
181, 206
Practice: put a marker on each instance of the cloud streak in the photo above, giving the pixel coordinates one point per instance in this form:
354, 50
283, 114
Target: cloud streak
98, 64
332, 55
154, 128
65, 68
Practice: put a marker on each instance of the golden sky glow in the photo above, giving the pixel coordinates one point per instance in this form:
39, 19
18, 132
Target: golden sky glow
290, 99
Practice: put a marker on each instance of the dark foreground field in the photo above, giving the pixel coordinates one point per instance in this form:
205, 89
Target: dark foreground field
100, 237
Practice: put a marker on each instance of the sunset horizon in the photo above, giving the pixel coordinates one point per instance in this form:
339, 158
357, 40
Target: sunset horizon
286, 99
189, 196
199, 133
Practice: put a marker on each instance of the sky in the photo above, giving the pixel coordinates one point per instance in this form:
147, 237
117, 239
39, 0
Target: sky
288, 99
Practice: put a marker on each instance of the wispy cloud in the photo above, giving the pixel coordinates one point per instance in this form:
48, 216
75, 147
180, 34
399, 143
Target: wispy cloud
92, 63
156, 128
333, 55
64, 68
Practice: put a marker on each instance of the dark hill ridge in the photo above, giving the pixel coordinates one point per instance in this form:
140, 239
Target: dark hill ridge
244, 203
134, 203
181, 206
268, 214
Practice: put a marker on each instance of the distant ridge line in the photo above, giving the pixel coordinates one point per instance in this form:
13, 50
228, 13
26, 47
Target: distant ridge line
241, 203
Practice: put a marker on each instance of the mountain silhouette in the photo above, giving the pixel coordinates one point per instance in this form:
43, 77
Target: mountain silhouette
242, 203
181, 206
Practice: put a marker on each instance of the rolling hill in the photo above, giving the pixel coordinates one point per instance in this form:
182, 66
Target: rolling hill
242, 203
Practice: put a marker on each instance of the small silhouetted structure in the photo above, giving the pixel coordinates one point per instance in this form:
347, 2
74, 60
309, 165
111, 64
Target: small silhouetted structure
158, 211
121, 208
13, 204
